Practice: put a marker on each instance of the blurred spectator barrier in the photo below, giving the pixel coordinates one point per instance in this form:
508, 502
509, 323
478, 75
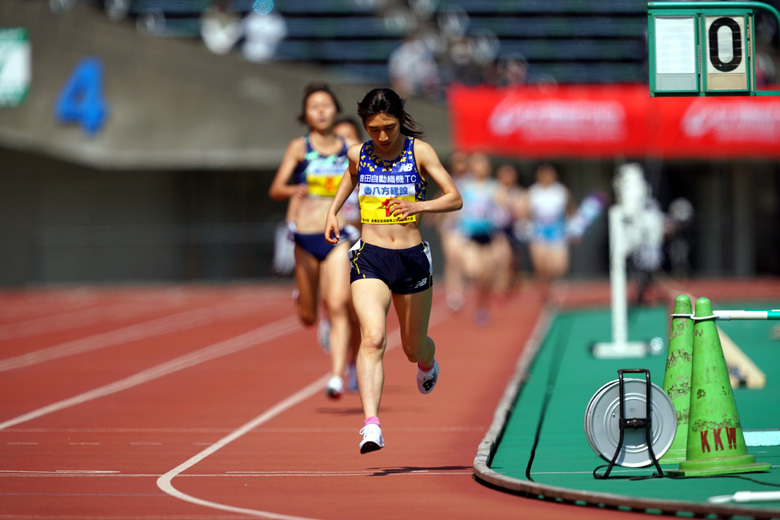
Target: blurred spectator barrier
582, 121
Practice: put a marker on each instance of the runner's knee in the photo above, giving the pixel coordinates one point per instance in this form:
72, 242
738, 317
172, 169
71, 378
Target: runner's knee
373, 339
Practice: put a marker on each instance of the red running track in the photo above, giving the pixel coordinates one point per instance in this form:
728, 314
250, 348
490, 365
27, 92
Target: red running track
208, 402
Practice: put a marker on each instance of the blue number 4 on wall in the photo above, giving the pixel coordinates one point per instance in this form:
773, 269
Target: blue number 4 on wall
81, 99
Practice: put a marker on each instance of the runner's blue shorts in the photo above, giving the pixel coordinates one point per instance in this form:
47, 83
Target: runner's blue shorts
314, 244
404, 271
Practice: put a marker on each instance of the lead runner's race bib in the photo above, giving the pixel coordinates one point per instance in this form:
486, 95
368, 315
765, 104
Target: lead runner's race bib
378, 180
376, 190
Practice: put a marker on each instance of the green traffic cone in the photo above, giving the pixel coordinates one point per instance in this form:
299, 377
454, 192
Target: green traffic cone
677, 378
716, 443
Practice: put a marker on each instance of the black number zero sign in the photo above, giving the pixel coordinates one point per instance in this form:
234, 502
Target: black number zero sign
736, 44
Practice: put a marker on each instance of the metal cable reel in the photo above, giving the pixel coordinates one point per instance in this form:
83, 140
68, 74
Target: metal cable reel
626, 428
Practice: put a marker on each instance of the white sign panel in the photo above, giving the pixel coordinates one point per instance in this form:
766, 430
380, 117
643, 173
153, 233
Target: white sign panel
15, 66
675, 45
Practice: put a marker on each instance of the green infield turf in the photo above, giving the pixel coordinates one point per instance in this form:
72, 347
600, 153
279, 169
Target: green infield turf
543, 441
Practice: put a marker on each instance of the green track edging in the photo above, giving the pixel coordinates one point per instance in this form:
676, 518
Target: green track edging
554, 381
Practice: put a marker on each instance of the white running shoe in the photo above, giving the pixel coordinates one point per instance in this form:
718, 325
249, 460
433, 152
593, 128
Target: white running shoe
454, 302
427, 380
323, 334
335, 387
372, 438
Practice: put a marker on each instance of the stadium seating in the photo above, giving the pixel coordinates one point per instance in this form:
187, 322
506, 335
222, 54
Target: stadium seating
568, 41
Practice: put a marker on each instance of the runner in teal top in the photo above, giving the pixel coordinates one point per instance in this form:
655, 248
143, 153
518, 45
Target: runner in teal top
308, 177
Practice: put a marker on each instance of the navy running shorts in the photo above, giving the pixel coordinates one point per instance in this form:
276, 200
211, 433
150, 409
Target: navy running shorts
315, 244
481, 239
404, 271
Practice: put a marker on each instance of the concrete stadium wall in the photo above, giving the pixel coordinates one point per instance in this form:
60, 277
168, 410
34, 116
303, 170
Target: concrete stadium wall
62, 223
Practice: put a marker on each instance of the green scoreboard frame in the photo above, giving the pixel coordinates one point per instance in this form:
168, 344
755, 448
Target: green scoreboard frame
703, 48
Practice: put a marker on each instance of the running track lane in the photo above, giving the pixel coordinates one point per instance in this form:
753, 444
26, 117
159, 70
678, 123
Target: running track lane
224, 416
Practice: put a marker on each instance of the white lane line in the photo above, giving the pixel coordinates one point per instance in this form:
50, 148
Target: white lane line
364, 473
287, 429
119, 430
84, 471
58, 472
156, 327
252, 338
121, 309
112, 516
71, 319
164, 482
394, 429
16, 306
9, 473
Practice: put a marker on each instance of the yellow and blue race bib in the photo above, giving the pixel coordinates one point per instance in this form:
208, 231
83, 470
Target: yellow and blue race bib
322, 173
378, 180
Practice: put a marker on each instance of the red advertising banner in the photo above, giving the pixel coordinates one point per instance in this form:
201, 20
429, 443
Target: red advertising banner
613, 120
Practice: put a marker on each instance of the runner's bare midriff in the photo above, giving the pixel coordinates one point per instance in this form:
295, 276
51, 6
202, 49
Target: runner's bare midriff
312, 213
392, 236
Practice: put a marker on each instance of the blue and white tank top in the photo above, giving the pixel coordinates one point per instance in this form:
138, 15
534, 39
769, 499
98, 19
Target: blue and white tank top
322, 173
478, 216
548, 211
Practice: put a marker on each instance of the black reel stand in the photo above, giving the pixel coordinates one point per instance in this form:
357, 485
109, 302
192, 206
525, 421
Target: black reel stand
633, 423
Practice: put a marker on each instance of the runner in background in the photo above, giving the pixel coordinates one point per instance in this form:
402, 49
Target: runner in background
452, 239
350, 130
477, 224
308, 176
391, 264
507, 246
548, 203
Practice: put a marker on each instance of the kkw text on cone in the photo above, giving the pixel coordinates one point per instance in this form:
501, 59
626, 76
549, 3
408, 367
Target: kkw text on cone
716, 443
